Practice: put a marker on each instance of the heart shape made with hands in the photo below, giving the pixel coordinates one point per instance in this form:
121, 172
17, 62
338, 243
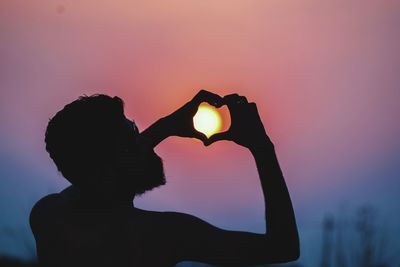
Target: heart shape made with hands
210, 120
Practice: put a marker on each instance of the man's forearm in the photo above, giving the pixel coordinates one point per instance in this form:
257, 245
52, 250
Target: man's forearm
280, 218
156, 132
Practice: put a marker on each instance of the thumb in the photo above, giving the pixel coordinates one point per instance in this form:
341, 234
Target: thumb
202, 137
217, 137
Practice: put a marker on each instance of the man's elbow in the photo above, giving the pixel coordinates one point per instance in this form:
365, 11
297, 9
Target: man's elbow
294, 254
286, 256
288, 250
293, 250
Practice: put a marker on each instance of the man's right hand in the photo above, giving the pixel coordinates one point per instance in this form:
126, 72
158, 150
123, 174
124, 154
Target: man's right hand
246, 127
180, 122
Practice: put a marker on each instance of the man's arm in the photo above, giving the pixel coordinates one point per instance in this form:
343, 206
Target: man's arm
197, 240
280, 218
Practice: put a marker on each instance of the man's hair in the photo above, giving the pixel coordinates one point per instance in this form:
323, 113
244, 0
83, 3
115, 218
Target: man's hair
80, 137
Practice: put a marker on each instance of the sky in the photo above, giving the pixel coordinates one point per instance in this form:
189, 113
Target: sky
324, 75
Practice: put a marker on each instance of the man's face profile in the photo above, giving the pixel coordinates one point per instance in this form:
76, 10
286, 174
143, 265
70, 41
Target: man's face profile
95, 146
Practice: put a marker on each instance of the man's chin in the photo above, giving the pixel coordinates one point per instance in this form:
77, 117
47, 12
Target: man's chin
152, 184
153, 177
158, 179
157, 173
152, 181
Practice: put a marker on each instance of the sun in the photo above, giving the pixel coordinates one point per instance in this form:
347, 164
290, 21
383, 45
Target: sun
207, 120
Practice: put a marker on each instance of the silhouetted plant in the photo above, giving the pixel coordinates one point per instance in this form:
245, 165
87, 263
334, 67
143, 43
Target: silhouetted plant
358, 241
22, 238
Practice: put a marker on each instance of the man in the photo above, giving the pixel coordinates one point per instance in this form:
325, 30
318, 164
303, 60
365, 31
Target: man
108, 162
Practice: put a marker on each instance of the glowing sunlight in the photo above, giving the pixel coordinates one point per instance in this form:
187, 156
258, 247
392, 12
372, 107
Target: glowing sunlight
207, 120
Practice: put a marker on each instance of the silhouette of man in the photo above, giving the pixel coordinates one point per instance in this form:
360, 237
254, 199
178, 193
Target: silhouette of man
108, 162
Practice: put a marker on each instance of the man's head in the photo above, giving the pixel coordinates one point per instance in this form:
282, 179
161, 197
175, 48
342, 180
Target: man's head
96, 147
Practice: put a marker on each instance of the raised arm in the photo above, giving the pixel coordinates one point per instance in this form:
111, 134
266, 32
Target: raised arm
197, 240
247, 130
280, 218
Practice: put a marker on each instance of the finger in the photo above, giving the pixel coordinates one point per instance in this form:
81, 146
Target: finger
210, 98
217, 137
229, 99
242, 100
235, 103
252, 106
202, 137
233, 99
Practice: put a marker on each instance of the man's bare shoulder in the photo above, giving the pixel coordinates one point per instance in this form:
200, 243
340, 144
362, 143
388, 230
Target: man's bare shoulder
46, 208
46, 204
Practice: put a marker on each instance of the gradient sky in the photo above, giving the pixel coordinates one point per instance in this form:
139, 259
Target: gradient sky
325, 76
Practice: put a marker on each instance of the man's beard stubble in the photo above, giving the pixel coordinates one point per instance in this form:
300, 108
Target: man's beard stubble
153, 175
